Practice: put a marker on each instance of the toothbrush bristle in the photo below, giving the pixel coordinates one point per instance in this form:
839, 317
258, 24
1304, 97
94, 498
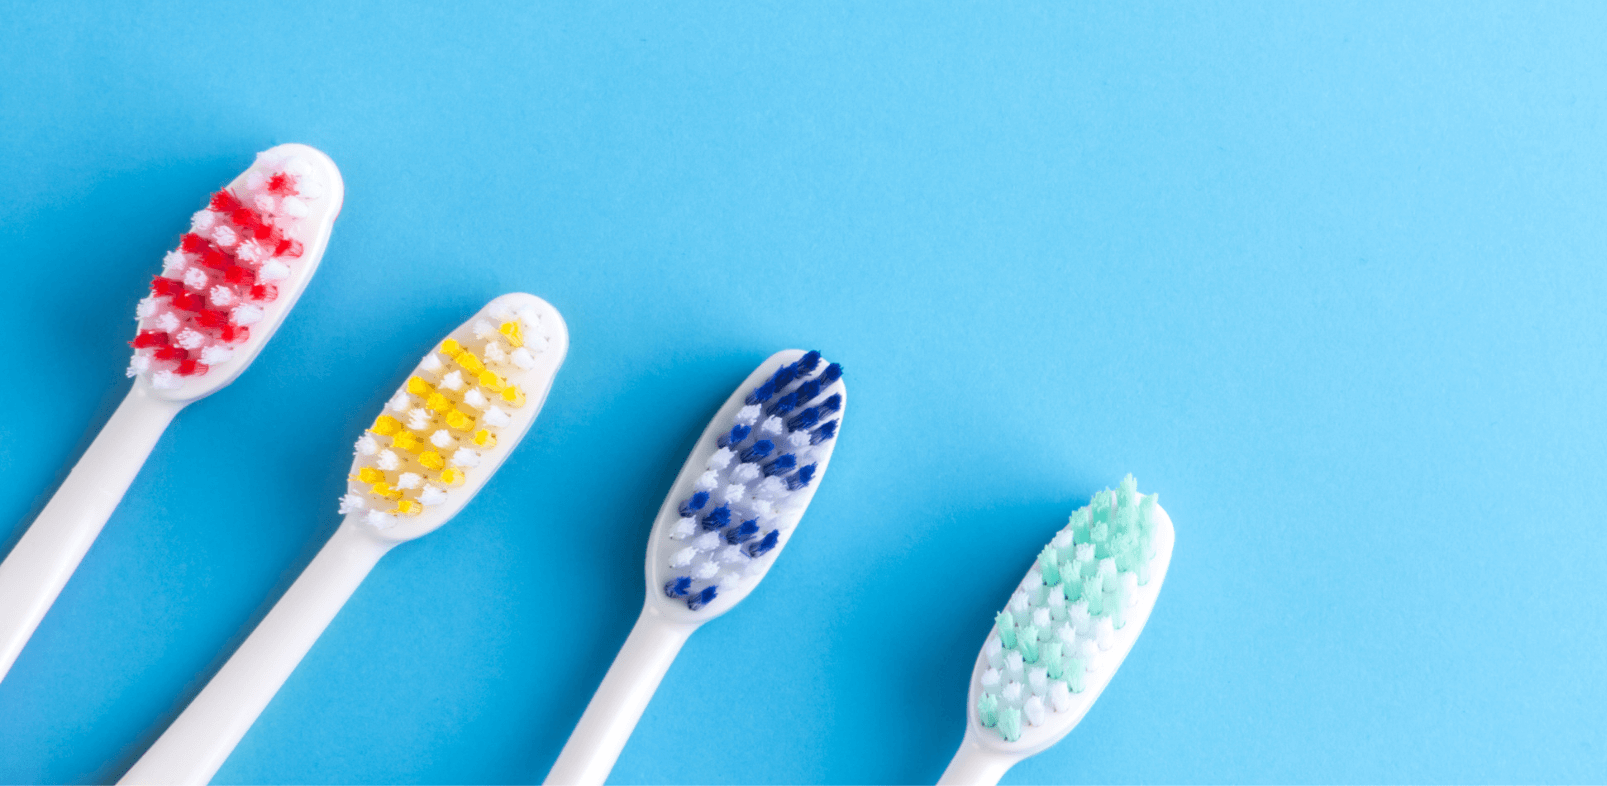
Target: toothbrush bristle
764, 458
220, 279
431, 435
1064, 614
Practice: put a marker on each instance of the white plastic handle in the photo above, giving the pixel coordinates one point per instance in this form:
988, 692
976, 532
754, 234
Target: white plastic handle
35, 571
611, 716
203, 736
974, 764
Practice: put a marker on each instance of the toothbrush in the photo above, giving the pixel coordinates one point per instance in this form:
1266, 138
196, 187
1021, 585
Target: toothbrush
730, 513
221, 295
436, 443
1064, 632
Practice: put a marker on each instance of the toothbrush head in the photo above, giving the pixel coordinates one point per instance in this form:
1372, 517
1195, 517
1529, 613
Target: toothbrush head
1071, 622
745, 486
454, 421
234, 276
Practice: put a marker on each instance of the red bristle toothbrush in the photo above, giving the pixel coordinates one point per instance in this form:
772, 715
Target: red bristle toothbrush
222, 293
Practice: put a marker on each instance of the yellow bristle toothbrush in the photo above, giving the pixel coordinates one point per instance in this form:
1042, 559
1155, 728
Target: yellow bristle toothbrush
438, 440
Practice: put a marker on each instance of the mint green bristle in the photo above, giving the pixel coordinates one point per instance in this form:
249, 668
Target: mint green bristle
1071, 583
1027, 645
1048, 566
1079, 525
1076, 670
1101, 505
1093, 591
1115, 607
1007, 629
987, 709
1052, 658
1127, 492
1010, 724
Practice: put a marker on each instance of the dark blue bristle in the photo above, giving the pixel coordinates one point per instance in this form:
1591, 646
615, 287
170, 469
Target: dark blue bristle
807, 363
785, 375
734, 436
742, 533
832, 373
678, 587
719, 518
808, 390
758, 450
825, 432
785, 404
801, 479
804, 420
762, 393
701, 599
832, 404
782, 464
763, 545
694, 503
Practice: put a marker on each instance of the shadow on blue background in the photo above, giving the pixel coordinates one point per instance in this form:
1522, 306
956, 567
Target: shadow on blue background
1328, 280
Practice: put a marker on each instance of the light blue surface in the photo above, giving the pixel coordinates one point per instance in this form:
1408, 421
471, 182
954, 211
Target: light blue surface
1330, 281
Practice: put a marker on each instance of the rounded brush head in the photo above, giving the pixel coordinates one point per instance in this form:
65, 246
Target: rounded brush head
745, 486
235, 275
1070, 623
454, 421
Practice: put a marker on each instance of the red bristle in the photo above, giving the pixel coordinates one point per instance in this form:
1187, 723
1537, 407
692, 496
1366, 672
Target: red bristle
224, 202
282, 184
171, 353
149, 338
240, 274
166, 286
262, 231
288, 248
215, 259
189, 367
246, 218
192, 243
264, 292
212, 319
189, 301
234, 334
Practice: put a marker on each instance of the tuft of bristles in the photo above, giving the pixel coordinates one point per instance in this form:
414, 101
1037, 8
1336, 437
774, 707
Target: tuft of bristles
436, 428
1064, 615
764, 458
224, 275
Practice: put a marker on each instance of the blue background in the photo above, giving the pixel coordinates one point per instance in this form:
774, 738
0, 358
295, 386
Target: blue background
1330, 280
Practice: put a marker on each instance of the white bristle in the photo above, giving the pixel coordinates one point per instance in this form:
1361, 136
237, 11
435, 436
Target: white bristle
195, 278
431, 363
1129, 584
708, 541
273, 270
409, 480
167, 322
1019, 605
453, 381
499, 311
1013, 664
707, 481
251, 252
771, 426
731, 555
721, 459
536, 344
1077, 615
1057, 604
682, 558
174, 263
146, 308
1104, 633
246, 314
264, 203
771, 487
224, 237
798, 441
706, 570
522, 358
1085, 552
203, 221
442, 439
735, 492
1032, 709
494, 416
293, 207
419, 419
746, 472
531, 318
367, 445
388, 460
483, 329
763, 508
190, 338
221, 296
992, 681
139, 364
1012, 693
1032, 583
400, 402
215, 354
165, 380
256, 179
1041, 621
380, 520
1038, 680
352, 502
465, 458
1062, 539
431, 495
495, 352
476, 399
748, 415
1059, 696
684, 528
993, 651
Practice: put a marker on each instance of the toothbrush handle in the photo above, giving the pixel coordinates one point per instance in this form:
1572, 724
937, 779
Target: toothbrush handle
974, 764
35, 571
614, 710
203, 736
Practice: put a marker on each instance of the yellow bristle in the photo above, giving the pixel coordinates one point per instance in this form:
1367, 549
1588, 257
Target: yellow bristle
514, 334
469, 362
458, 420
383, 489
451, 476
514, 396
418, 387
385, 425
438, 403
408, 441
370, 475
485, 439
409, 507
431, 460
491, 381
451, 347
